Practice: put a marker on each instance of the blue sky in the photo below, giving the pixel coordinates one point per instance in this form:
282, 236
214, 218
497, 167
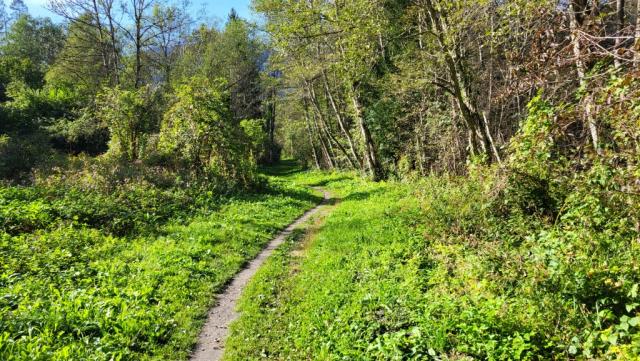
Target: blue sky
207, 9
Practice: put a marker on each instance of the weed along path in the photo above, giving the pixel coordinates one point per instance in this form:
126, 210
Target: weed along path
210, 346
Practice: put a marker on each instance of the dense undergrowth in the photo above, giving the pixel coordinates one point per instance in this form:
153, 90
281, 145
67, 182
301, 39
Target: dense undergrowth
125, 272
449, 269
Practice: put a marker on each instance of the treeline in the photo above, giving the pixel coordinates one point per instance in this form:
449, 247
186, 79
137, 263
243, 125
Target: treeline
399, 87
139, 83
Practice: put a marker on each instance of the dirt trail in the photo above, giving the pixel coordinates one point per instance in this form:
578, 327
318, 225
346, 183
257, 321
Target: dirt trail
210, 345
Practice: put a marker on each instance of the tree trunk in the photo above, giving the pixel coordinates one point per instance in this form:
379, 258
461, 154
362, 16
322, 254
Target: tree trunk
108, 11
636, 58
420, 151
459, 85
139, 7
272, 127
620, 25
574, 24
494, 149
138, 65
486, 114
104, 52
323, 145
310, 134
341, 122
325, 127
370, 149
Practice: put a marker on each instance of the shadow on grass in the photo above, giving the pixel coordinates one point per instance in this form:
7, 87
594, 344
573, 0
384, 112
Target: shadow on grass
325, 182
361, 196
274, 190
283, 168
358, 196
331, 201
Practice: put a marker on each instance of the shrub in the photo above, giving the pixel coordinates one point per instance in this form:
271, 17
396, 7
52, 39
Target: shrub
18, 155
130, 116
200, 131
255, 135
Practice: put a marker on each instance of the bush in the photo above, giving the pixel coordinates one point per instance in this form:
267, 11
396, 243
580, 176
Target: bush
30, 109
18, 155
84, 134
130, 116
255, 136
200, 131
28, 121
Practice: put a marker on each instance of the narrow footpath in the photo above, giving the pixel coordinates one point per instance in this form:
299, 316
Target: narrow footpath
210, 345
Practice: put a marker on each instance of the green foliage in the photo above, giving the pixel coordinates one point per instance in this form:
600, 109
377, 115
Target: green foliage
128, 209
76, 66
125, 275
116, 257
30, 108
83, 133
36, 39
234, 53
39, 122
130, 115
433, 270
83, 103
14, 69
18, 155
198, 128
254, 132
31, 45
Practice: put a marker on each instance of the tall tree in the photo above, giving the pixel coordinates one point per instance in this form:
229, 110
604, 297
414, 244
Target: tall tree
580, 11
81, 62
620, 17
243, 58
37, 39
32, 44
234, 53
636, 59
4, 20
95, 20
170, 31
337, 42
18, 8
140, 33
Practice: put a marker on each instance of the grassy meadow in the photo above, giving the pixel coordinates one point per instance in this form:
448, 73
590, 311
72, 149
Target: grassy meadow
127, 274
433, 271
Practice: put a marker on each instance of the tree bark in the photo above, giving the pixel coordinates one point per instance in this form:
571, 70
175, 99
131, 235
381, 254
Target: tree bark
620, 27
325, 127
459, 85
321, 126
370, 148
108, 10
341, 122
494, 149
310, 134
103, 49
138, 58
636, 58
272, 126
323, 145
139, 9
576, 11
420, 151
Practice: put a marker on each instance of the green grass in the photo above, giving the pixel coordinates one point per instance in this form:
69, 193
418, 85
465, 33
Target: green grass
125, 278
434, 270
343, 292
442, 269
